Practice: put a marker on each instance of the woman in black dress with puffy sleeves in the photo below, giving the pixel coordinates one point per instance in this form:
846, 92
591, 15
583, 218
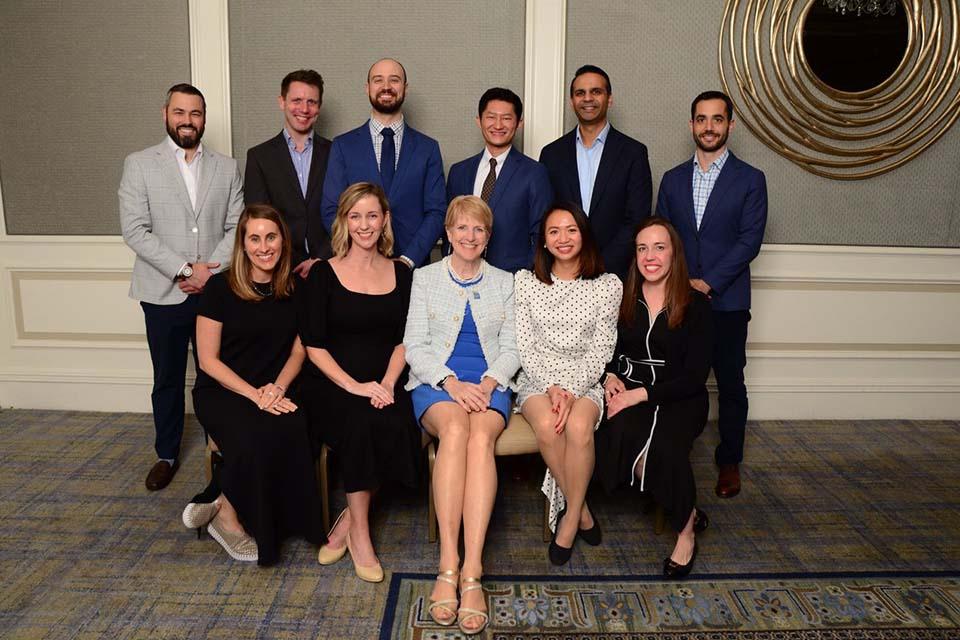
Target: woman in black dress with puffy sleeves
656, 387
352, 324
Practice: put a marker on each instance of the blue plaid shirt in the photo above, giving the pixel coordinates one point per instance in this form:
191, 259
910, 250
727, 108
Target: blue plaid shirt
703, 182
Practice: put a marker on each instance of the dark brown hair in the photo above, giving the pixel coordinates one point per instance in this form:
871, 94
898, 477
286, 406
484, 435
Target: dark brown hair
677, 295
591, 264
238, 277
306, 76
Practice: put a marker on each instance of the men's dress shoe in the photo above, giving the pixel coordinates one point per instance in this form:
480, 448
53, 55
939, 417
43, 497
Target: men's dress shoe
728, 484
199, 514
675, 571
240, 546
592, 536
700, 521
560, 555
161, 474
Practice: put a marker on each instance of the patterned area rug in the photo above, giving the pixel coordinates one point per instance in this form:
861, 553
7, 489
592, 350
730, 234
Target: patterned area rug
710, 607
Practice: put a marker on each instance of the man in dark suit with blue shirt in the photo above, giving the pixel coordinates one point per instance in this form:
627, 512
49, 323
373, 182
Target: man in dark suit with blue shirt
287, 170
516, 187
718, 205
407, 164
604, 171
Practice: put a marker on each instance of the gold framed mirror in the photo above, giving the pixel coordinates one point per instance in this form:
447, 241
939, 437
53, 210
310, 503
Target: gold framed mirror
876, 109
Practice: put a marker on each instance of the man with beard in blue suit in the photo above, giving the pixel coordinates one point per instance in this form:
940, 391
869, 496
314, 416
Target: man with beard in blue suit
386, 151
718, 204
516, 187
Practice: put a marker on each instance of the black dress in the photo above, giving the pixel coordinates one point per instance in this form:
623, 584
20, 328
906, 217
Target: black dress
360, 331
268, 473
673, 365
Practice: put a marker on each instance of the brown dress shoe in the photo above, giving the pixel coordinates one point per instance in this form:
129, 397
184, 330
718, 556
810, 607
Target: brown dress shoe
161, 474
728, 484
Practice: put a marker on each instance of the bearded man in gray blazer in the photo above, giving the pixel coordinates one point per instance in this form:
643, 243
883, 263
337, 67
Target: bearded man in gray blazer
179, 204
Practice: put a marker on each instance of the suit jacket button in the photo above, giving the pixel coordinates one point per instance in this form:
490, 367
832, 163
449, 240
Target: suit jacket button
456, 318
194, 230
446, 344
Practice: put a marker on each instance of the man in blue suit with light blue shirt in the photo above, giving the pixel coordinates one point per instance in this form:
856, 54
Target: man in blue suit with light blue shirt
516, 188
718, 204
407, 164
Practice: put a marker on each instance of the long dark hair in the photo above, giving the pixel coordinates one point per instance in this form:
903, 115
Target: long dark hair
238, 277
677, 295
591, 264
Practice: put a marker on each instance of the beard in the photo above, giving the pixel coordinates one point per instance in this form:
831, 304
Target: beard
389, 109
718, 144
185, 141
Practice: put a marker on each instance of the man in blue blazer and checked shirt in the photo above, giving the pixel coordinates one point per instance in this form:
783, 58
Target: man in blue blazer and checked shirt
718, 203
387, 151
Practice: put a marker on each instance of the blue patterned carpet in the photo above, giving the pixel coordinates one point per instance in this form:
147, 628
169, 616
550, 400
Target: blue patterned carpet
717, 607
87, 552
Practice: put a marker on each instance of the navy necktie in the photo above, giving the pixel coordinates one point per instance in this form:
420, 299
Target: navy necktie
388, 159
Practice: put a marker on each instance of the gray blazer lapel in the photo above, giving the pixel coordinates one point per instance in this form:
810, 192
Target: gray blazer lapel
171, 173
208, 169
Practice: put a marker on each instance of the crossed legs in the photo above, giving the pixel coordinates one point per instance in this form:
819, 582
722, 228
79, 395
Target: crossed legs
569, 456
464, 489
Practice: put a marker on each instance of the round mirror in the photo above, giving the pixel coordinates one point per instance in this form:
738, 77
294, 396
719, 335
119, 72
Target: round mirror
852, 53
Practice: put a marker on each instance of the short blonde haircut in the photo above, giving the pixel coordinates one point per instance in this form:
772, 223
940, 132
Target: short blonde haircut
471, 207
340, 238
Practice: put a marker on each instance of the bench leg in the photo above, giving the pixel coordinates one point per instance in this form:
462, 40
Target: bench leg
324, 479
431, 507
659, 520
547, 534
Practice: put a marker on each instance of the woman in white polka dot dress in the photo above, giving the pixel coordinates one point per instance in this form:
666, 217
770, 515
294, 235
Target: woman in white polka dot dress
566, 332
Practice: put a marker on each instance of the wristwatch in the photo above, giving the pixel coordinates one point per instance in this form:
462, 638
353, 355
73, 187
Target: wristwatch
187, 271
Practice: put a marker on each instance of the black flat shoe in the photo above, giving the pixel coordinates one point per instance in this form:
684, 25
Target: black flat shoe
700, 522
559, 555
592, 536
674, 571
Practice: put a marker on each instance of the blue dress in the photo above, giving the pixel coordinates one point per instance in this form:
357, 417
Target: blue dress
468, 362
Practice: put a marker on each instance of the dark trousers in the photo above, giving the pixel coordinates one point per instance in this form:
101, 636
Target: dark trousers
729, 359
170, 327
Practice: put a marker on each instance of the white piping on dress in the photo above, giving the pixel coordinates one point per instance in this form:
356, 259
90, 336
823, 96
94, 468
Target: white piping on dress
653, 371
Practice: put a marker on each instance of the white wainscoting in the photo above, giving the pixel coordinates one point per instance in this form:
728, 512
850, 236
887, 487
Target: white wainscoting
837, 332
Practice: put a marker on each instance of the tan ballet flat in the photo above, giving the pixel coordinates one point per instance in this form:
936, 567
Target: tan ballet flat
450, 577
327, 555
471, 584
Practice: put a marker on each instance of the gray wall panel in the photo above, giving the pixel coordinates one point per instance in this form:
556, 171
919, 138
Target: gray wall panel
81, 86
661, 53
442, 45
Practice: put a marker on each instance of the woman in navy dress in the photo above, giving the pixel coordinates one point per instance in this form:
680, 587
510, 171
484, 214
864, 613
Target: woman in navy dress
462, 352
656, 387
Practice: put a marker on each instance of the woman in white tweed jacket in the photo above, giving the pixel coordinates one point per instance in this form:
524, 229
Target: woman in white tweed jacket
461, 346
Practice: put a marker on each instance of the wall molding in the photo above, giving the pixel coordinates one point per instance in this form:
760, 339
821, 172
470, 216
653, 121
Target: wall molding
210, 68
545, 52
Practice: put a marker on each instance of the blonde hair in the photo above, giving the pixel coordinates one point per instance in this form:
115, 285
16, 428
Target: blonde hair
340, 236
238, 276
472, 207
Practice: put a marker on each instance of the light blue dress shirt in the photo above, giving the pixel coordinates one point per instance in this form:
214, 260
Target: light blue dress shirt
588, 161
703, 182
301, 159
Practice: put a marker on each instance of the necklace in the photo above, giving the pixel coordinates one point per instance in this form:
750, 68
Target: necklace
265, 289
461, 279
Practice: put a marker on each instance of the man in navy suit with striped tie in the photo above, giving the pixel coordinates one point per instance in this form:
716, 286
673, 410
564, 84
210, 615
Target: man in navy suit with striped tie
516, 187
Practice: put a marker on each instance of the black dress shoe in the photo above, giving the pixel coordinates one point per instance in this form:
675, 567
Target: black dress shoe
559, 555
700, 521
592, 536
161, 474
674, 571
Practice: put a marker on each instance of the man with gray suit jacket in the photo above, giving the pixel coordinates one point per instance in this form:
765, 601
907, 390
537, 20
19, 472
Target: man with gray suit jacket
179, 204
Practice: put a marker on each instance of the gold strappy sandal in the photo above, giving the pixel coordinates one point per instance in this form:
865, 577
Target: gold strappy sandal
450, 577
471, 584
